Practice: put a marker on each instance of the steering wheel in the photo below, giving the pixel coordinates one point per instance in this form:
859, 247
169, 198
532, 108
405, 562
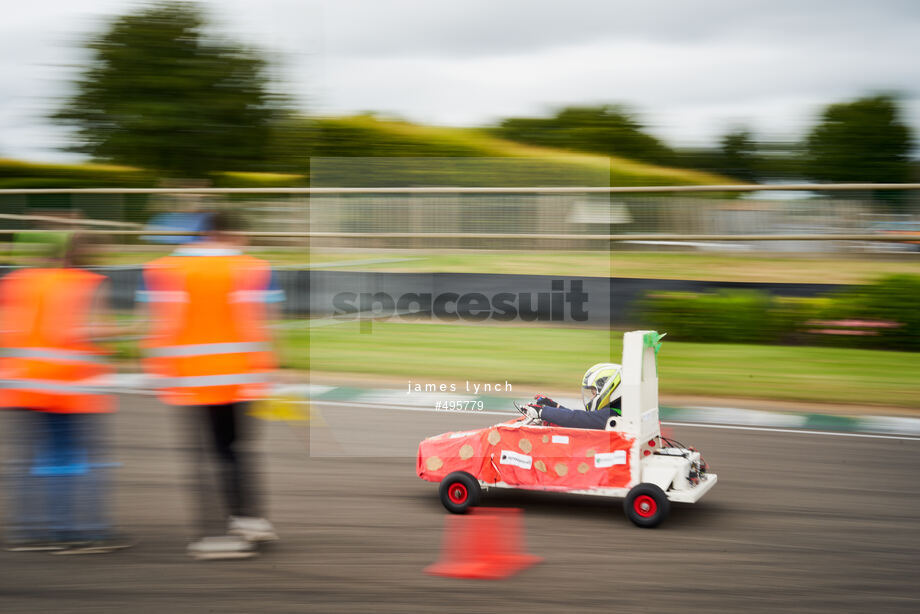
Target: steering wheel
527, 419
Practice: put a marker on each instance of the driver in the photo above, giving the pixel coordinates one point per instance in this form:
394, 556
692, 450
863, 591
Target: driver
600, 390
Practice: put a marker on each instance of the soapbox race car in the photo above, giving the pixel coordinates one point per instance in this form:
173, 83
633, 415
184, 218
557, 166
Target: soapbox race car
630, 459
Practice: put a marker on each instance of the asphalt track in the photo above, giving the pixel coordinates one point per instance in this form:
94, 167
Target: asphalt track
798, 522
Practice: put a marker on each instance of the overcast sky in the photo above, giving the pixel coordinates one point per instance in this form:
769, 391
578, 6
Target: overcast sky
690, 68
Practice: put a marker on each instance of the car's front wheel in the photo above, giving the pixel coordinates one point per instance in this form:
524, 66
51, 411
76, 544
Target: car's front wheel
646, 505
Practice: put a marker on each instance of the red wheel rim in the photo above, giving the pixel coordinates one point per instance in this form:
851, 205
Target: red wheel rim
645, 506
457, 493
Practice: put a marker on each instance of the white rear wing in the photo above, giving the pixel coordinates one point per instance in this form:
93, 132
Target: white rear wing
640, 385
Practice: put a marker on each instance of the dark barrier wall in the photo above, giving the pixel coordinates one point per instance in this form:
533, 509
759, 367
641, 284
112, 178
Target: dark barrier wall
471, 297
605, 297
515, 298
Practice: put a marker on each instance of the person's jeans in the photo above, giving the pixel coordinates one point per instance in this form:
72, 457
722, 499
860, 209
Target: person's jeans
57, 477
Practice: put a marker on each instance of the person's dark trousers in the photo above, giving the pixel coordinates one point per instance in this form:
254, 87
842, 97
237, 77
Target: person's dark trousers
223, 465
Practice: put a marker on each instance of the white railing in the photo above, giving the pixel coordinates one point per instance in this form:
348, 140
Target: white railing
350, 215
785, 187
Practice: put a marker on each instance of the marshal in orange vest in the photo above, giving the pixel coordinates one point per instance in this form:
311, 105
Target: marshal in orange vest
209, 344
46, 357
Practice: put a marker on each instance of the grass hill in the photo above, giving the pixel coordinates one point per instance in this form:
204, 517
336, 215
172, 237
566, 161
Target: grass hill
365, 150
501, 162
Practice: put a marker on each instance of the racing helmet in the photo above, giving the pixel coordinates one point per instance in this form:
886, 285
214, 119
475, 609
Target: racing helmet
601, 385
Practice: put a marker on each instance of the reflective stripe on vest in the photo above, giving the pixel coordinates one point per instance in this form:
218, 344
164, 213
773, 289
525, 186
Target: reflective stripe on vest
51, 386
49, 354
208, 349
203, 381
257, 296
161, 296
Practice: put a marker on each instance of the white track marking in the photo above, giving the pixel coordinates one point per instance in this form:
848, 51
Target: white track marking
747, 417
795, 431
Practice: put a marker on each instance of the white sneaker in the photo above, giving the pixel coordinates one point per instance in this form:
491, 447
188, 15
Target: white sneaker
252, 528
222, 547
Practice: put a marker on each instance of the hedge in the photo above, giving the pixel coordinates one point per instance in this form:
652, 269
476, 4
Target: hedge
882, 315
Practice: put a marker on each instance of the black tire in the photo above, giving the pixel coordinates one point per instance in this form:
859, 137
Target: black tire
646, 505
459, 492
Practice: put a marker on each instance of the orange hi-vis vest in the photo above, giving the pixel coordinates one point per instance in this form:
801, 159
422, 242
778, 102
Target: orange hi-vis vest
209, 344
46, 357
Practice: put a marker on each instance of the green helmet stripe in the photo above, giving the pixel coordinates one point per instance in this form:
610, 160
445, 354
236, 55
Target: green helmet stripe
605, 370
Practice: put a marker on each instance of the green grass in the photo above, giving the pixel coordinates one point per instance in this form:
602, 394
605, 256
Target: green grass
714, 267
534, 359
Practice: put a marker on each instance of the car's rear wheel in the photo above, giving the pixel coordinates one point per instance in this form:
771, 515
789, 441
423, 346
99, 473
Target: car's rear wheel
646, 505
459, 491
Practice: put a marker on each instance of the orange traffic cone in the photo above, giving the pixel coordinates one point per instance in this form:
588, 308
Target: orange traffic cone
484, 544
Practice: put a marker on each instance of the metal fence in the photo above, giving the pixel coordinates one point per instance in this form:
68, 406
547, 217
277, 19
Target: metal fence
800, 217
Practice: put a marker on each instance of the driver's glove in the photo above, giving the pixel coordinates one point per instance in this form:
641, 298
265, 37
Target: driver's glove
541, 399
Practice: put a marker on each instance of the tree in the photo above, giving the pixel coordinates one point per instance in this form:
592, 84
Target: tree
738, 155
160, 94
608, 129
863, 140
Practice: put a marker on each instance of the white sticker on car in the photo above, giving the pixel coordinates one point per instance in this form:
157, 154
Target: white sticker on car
459, 435
560, 439
509, 457
609, 459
